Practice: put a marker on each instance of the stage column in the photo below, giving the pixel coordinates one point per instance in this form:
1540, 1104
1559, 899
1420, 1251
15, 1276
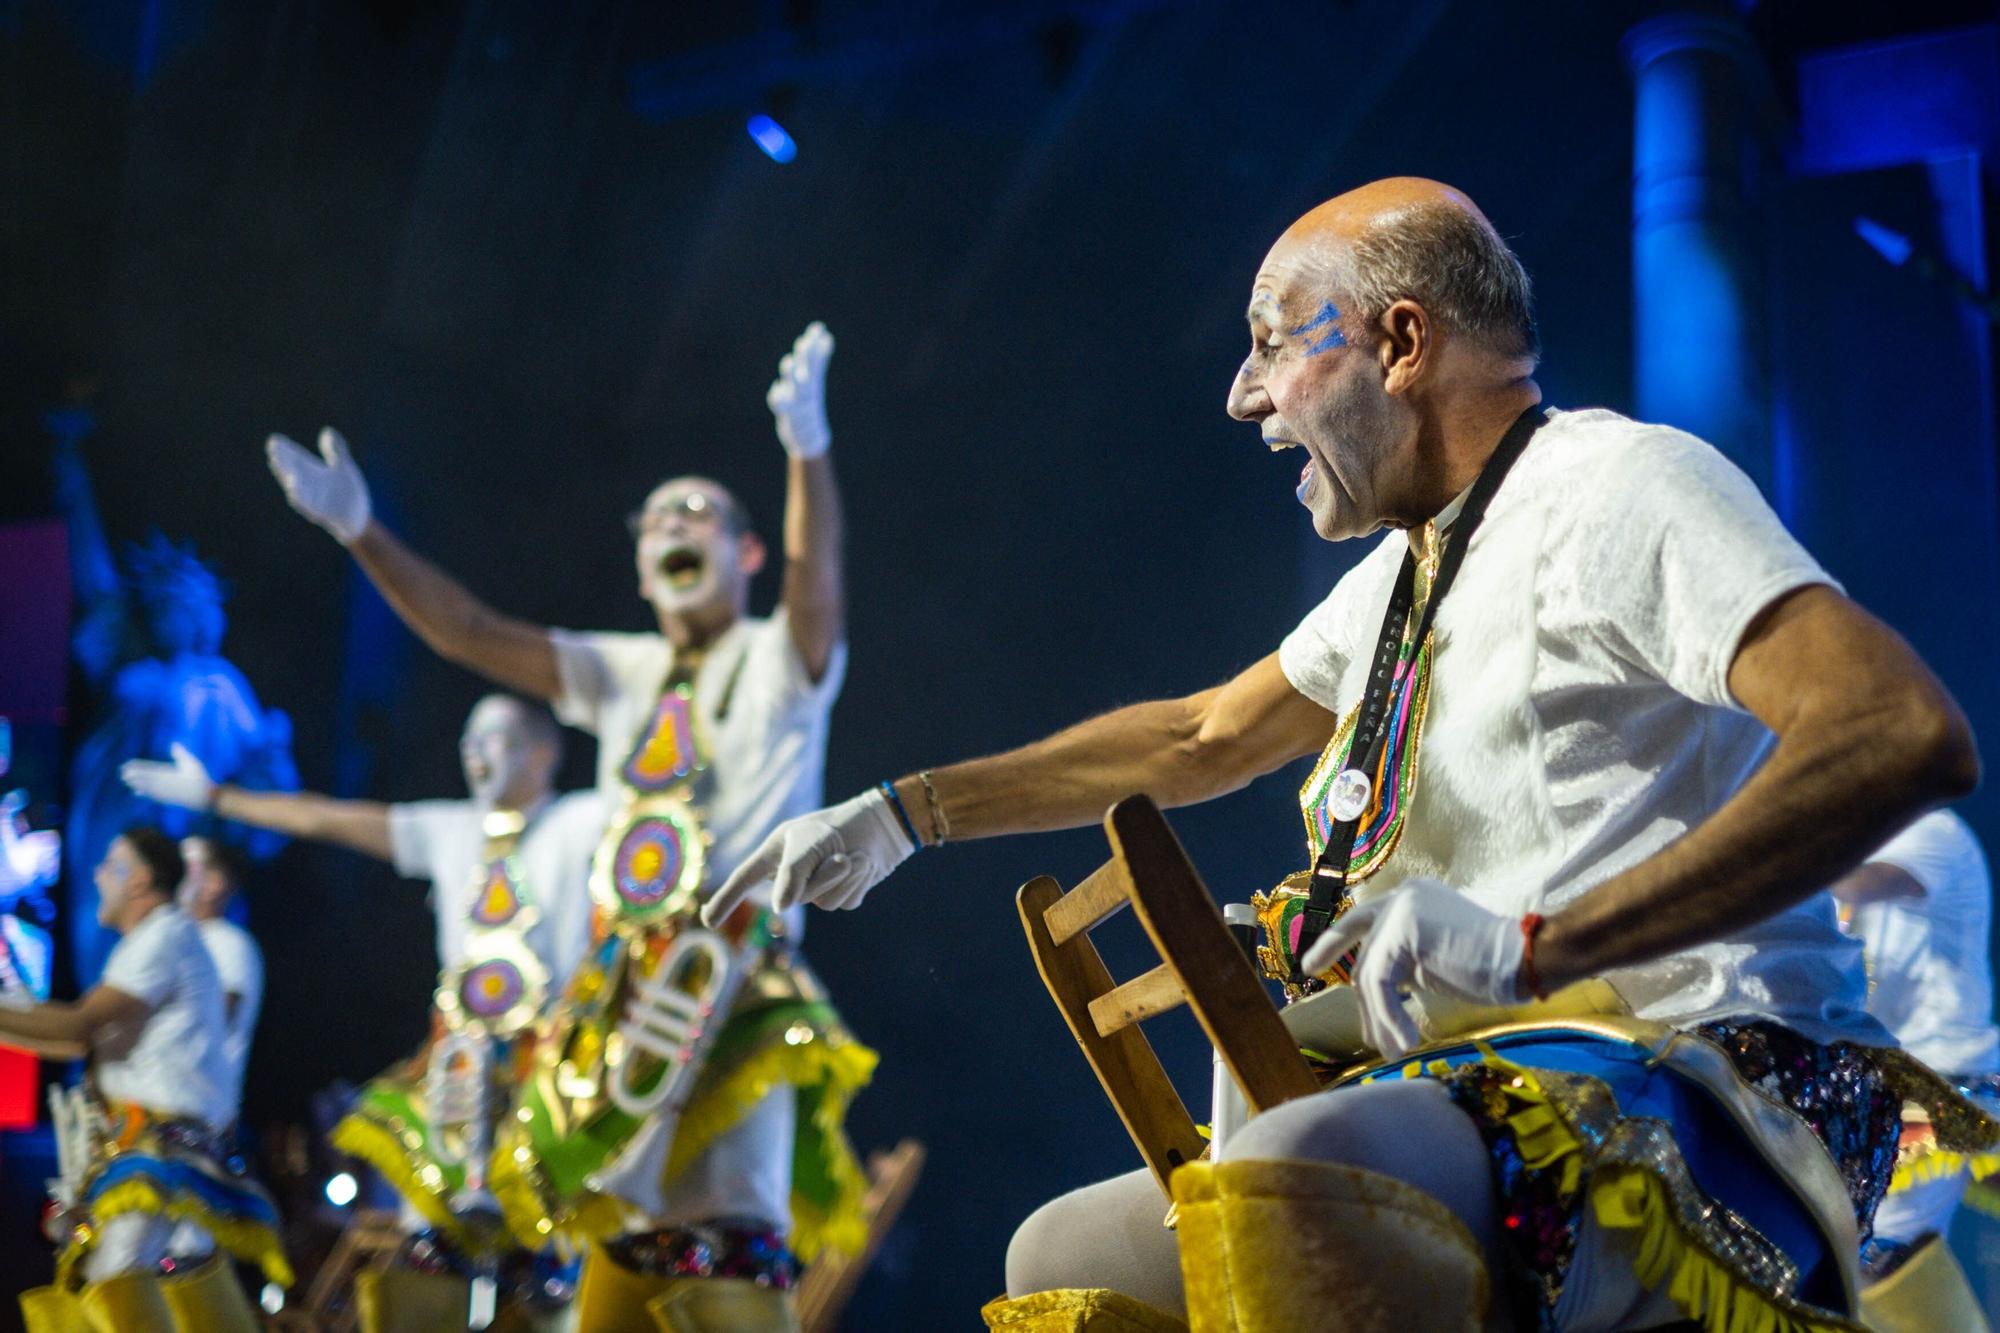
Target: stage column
1702, 109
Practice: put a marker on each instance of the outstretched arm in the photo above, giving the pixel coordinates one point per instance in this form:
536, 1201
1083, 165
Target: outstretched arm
440, 610
1178, 751
63, 1029
360, 825
814, 593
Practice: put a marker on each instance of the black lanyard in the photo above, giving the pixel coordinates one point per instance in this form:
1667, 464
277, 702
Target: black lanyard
1329, 875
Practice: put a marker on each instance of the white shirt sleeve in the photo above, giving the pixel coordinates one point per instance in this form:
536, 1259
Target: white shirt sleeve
1679, 555
1935, 851
778, 668
142, 966
1314, 656
597, 670
414, 827
237, 962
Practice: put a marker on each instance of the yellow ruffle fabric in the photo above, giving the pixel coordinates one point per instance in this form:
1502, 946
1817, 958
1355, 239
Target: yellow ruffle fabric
252, 1242
841, 1069
1632, 1198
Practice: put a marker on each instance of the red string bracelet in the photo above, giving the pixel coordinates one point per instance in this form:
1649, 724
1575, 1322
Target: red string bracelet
1531, 923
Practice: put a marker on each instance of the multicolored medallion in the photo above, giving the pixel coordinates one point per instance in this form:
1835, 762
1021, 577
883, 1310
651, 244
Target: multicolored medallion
497, 989
668, 752
653, 866
496, 893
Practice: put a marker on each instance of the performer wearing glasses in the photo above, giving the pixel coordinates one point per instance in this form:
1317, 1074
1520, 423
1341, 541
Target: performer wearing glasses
684, 1117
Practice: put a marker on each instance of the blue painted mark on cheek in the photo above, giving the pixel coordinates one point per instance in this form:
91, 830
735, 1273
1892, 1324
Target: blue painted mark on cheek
1327, 318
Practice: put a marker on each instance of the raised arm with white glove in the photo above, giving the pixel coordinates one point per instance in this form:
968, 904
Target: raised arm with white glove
184, 782
1428, 936
329, 489
829, 858
798, 396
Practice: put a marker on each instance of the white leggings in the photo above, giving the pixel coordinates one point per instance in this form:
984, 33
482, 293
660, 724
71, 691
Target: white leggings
136, 1242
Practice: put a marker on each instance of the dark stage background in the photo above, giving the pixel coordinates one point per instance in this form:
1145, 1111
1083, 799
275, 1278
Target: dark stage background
526, 256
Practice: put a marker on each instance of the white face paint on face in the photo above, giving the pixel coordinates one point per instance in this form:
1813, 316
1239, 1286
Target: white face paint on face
205, 888
688, 557
498, 755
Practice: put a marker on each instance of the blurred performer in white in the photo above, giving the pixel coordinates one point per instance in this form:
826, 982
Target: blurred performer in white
214, 872
507, 869
685, 1119
1922, 907
150, 1185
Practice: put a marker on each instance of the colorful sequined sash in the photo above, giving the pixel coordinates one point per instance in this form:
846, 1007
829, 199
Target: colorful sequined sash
1356, 789
651, 862
500, 985
1282, 911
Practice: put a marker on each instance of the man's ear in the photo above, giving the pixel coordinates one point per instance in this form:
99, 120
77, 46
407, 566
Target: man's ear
751, 553
1408, 341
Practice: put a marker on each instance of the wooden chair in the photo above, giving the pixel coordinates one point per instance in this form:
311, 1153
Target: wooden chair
1201, 966
370, 1239
830, 1280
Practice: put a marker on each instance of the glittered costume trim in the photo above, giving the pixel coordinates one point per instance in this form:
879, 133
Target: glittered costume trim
1565, 1142
242, 1223
1956, 1135
797, 1043
390, 1129
753, 1253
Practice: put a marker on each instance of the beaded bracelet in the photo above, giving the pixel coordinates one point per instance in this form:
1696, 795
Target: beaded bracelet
888, 789
939, 824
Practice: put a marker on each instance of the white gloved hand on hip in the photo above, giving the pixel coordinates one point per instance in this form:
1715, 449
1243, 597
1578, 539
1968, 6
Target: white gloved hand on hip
829, 858
184, 782
328, 489
1427, 936
798, 396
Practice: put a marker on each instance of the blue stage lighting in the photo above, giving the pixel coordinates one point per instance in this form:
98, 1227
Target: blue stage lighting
1891, 245
771, 137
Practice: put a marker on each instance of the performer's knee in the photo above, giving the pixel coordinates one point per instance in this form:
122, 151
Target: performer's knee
1109, 1235
1405, 1128
1035, 1254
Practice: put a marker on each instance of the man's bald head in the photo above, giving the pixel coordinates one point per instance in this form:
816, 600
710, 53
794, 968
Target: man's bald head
1407, 238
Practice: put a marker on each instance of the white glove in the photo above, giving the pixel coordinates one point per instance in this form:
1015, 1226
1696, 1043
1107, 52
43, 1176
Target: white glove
798, 396
184, 782
830, 858
332, 493
1427, 936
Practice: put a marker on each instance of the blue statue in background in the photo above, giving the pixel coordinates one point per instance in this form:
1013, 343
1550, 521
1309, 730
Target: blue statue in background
30, 862
149, 646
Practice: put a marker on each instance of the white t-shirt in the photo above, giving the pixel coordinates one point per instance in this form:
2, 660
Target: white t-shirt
177, 1061
1931, 979
240, 965
1585, 720
442, 841
769, 760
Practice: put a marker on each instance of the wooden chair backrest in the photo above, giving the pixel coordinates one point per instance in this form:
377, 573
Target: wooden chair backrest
831, 1278
1201, 966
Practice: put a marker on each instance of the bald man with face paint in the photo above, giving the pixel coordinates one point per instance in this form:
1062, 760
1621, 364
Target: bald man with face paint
1652, 732
682, 1123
